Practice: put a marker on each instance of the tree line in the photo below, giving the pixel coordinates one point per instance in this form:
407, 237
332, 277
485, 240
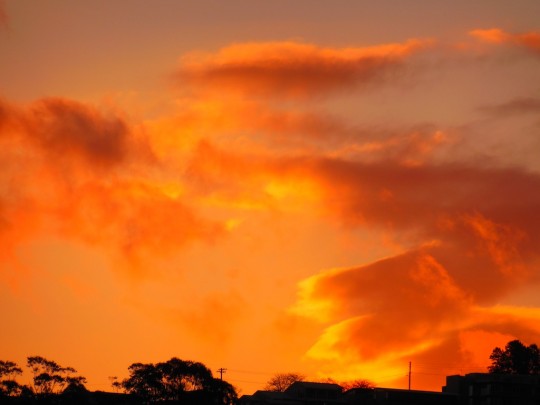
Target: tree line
172, 381
281, 381
48, 378
515, 358
187, 382
177, 381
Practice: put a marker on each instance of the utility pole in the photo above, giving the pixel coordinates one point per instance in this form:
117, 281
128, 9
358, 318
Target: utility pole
221, 371
410, 367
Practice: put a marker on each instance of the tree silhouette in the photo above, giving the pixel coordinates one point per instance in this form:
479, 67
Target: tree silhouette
281, 381
516, 358
144, 381
8, 385
117, 385
9, 369
177, 380
347, 385
49, 377
75, 392
221, 392
180, 376
172, 381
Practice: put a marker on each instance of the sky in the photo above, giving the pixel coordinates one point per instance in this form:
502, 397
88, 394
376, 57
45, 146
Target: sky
335, 188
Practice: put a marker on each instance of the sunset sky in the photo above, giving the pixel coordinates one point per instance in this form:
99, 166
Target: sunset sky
334, 188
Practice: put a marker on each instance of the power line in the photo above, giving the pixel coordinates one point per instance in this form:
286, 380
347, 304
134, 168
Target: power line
252, 372
245, 381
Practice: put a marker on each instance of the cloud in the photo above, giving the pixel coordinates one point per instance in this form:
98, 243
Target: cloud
254, 128
451, 217
67, 128
292, 69
463, 229
407, 307
525, 105
135, 219
390, 192
493, 35
418, 202
7, 116
529, 40
72, 132
373, 306
468, 239
75, 171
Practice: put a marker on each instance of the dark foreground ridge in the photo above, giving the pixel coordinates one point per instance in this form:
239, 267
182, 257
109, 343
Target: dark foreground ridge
111, 398
471, 389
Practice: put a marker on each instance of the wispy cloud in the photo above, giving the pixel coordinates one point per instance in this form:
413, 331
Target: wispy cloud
529, 41
294, 70
526, 105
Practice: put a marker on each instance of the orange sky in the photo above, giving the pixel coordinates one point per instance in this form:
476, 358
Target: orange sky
331, 188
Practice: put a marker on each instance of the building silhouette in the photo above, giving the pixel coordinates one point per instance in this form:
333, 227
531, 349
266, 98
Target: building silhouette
312, 393
470, 389
494, 389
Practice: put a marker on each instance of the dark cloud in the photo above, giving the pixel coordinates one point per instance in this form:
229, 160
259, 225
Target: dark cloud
294, 70
64, 127
72, 132
401, 195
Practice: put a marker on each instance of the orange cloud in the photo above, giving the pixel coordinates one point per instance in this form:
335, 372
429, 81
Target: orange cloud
292, 69
528, 40
407, 307
461, 217
257, 128
73, 170
502, 243
493, 35
466, 245
136, 220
